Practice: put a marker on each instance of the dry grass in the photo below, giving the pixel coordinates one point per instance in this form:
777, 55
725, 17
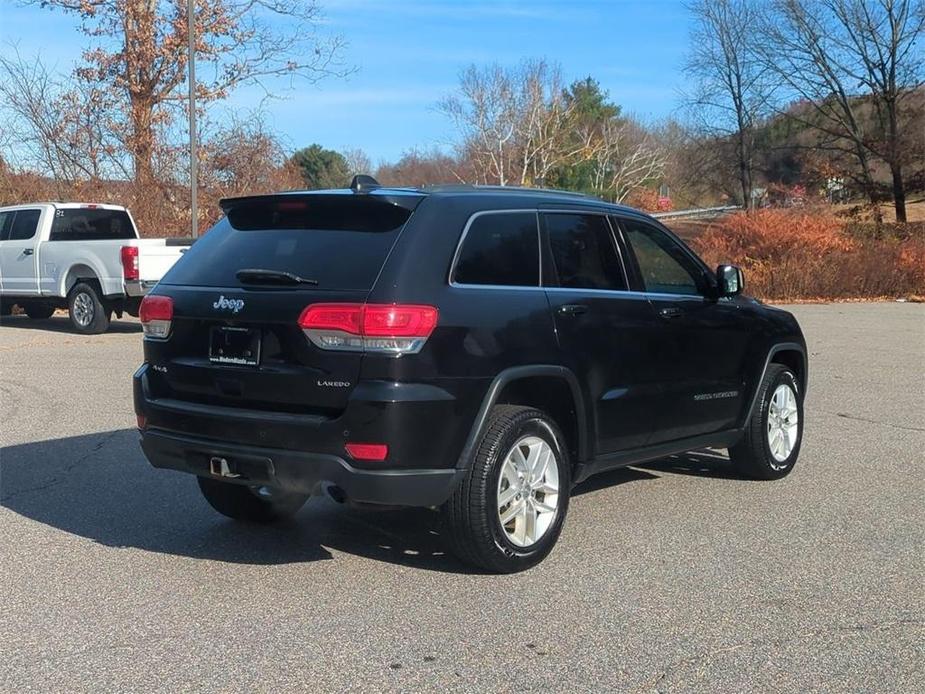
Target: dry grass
808, 254
915, 210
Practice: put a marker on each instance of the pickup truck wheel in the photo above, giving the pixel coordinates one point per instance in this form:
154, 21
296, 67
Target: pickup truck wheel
88, 314
39, 311
252, 504
508, 511
773, 435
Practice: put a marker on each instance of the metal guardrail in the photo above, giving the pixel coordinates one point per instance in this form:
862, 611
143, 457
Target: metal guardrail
697, 212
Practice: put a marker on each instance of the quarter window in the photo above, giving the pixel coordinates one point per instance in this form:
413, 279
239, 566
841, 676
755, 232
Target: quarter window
583, 252
24, 225
6, 221
663, 264
500, 249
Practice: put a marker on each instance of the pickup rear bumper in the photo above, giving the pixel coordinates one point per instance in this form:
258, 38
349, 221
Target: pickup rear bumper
138, 287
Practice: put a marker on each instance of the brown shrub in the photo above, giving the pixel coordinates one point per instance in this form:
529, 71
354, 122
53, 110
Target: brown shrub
807, 254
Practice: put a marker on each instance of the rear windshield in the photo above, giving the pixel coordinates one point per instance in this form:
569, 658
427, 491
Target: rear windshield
338, 243
84, 224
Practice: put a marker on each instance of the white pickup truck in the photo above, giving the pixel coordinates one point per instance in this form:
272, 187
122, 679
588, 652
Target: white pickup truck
80, 256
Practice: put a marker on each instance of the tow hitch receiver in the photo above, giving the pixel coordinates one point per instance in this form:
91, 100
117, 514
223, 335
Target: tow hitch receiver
220, 468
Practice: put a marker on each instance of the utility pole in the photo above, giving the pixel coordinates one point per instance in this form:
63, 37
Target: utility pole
193, 183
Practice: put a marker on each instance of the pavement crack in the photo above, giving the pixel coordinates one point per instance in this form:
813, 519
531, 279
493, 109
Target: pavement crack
69, 467
97, 447
701, 661
845, 415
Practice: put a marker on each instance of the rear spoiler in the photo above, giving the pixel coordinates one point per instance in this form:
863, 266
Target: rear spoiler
407, 200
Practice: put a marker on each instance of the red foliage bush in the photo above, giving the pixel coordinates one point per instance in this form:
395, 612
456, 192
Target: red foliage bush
644, 199
797, 254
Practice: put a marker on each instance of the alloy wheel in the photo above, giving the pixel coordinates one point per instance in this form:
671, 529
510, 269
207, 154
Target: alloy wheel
83, 309
528, 491
783, 424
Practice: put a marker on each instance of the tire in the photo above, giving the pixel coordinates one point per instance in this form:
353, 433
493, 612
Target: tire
473, 514
88, 314
250, 504
39, 311
754, 456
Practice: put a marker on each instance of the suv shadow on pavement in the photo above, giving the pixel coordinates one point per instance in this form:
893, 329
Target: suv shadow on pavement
99, 486
703, 463
62, 324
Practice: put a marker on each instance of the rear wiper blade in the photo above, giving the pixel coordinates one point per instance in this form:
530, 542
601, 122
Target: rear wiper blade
260, 276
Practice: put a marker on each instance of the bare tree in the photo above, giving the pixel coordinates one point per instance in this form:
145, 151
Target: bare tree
244, 156
520, 126
547, 129
516, 124
626, 157
61, 132
358, 161
846, 58
139, 54
417, 168
731, 91
485, 113
880, 39
800, 49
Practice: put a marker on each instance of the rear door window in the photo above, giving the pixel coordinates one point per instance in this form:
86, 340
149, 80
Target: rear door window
24, 225
500, 248
583, 252
340, 242
88, 224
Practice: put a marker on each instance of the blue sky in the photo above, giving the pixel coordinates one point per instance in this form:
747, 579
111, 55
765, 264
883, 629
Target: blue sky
408, 54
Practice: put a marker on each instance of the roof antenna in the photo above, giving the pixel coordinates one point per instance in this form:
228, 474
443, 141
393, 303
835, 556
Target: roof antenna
362, 183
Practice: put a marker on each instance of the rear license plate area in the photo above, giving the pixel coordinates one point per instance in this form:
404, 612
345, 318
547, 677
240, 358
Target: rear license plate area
229, 345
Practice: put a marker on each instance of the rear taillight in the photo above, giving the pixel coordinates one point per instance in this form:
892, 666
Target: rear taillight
382, 328
156, 313
130, 262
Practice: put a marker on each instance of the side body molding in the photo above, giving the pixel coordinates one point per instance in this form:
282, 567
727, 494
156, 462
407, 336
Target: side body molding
513, 374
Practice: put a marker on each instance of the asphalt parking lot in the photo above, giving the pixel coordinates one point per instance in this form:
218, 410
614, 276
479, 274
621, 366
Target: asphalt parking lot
673, 577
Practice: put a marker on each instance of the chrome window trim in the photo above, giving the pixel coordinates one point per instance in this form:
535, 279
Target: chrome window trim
615, 228
465, 233
616, 293
627, 292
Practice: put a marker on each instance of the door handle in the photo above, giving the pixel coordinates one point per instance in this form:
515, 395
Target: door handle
572, 309
28, 251
671, 312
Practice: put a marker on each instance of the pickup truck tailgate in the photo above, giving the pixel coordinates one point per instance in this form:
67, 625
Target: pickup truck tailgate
157, 256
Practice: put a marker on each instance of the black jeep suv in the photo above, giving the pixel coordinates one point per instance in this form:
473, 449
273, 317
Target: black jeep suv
474, 349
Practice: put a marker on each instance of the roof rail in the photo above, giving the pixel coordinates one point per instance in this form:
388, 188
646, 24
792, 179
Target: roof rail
449, 188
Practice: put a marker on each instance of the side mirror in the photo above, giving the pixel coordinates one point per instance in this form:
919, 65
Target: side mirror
729, 280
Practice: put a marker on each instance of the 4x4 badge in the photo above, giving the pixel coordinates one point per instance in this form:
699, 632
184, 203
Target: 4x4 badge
234, 304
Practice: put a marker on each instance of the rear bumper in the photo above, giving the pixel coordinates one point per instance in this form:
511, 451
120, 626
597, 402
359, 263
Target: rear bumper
423, 425
302, 472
